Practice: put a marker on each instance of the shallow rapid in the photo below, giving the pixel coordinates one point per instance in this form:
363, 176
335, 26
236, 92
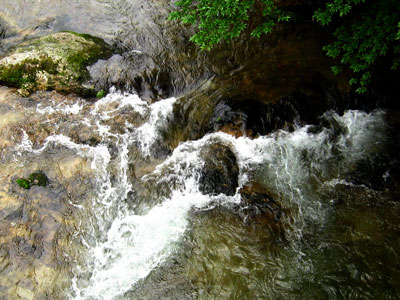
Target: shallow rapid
143, 228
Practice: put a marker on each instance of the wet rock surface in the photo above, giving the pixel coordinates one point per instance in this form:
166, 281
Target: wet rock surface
220, 172
36, 227
37, 224
252, 118
258, 196
135, 71
206, 110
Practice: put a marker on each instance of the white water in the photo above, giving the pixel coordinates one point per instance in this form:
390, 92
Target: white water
63, 108
148, 133
137, 244
123, 246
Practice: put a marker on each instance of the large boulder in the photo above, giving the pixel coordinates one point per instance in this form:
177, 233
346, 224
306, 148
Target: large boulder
53, 62
220, 172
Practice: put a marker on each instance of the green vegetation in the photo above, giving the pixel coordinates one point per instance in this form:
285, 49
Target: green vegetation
24, 183
25, 74
36, 178
100, 94
89, 37
363, 31
370, 33
225, 20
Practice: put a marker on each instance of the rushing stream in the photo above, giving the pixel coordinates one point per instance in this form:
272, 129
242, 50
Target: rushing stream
228, 190
144, 229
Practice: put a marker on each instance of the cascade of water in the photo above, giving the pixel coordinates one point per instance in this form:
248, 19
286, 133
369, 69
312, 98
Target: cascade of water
148, 133
136, 244
124, 246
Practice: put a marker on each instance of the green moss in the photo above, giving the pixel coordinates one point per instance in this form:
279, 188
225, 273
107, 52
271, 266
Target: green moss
24, 183
79, 59
61, 59
48, 65
17, 75
88, 37
96, 50
39, 178
36, 178
25, 73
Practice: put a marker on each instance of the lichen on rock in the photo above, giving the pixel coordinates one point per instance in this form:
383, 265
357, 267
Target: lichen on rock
53, 62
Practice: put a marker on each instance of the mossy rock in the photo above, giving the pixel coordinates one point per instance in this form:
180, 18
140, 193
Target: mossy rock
53, 62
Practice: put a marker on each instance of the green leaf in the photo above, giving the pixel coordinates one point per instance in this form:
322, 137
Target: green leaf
364, 37
336, 69
361, 90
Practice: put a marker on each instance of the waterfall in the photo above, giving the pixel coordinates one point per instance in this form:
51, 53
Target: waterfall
130, 227
125, 245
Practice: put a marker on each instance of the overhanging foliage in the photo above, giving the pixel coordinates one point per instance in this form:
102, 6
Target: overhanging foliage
366, 29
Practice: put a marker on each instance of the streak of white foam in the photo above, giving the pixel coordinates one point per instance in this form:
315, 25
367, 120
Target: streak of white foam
137, 244
73, 109
120, 100
148, 133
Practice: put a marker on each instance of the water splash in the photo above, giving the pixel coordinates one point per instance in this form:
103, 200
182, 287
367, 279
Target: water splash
115, 101
124, 246
136, 244
148, 133
63, 108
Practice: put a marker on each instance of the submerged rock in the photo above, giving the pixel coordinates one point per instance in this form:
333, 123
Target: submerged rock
36, 225
220, 172
262, 200
241, 116
260, 206
53, 62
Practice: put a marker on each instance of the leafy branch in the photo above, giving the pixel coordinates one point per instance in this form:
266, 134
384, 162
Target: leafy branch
367, 29
366, 37
219, 20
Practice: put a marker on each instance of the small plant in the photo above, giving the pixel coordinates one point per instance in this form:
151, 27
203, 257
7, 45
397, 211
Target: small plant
100, 94
24, 183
